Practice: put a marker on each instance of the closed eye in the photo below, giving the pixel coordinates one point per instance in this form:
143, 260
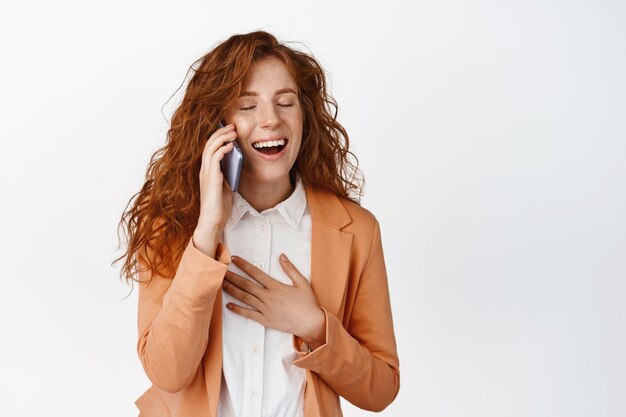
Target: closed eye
251, 107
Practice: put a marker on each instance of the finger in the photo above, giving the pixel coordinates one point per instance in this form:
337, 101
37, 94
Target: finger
243, 296
215, 166
246, 312
292, 272
218, 139
213, 154
221, 131
254, 272
245, 284
212, 147
219, 154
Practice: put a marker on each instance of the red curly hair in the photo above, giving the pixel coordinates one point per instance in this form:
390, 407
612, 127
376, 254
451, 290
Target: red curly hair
165, 211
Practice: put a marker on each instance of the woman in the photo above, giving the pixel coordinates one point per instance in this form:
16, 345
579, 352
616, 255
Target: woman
255, 333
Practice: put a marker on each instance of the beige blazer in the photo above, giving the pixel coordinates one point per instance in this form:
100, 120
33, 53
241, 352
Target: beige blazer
180, 322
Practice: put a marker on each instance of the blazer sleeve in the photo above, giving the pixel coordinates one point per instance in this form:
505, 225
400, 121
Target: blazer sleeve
174, 315
360, 362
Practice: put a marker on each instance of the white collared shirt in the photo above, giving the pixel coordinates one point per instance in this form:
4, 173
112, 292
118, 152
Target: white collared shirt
258, 376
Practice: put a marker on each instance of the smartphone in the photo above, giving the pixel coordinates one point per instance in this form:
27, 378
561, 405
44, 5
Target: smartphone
231, 164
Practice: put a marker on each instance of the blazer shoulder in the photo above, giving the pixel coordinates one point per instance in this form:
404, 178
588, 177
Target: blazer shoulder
363, 220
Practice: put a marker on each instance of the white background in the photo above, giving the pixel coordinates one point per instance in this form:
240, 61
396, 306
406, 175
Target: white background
492, 139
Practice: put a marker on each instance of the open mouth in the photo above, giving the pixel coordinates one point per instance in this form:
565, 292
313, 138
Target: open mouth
272, 150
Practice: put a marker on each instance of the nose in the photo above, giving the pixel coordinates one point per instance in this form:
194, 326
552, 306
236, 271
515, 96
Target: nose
269, 118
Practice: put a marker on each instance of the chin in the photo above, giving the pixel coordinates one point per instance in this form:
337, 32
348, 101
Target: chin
271, 174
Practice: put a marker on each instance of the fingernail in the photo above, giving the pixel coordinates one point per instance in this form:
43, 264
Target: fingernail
234, 259
283, 257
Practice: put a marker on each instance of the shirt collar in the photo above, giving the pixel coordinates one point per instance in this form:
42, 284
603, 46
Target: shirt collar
291, 209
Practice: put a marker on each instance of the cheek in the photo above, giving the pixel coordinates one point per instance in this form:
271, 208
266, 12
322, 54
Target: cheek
296, 121
295, 149
242, 127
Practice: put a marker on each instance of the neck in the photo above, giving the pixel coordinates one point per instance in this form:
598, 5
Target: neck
262, 195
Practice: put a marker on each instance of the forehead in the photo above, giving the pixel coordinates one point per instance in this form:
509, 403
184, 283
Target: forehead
267, 75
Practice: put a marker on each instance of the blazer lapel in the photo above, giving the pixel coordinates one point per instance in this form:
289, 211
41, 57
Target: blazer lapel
330, 248
330, 261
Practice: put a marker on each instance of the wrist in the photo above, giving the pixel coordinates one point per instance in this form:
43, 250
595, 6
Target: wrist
208, 229
207, 240
317, 335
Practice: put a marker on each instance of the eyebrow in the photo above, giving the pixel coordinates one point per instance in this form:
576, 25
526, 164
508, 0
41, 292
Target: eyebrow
281, 91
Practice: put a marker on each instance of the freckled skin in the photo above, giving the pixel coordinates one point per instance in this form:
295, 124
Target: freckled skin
266, 183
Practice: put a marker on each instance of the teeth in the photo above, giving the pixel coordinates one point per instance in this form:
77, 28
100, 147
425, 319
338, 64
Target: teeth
269, 143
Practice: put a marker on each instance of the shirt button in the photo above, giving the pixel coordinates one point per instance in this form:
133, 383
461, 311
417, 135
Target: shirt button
261, 265
253, 393
255, 350
262, 225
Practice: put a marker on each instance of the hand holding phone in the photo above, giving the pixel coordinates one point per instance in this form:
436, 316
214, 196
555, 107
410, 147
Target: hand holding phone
216, 195
231, 165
